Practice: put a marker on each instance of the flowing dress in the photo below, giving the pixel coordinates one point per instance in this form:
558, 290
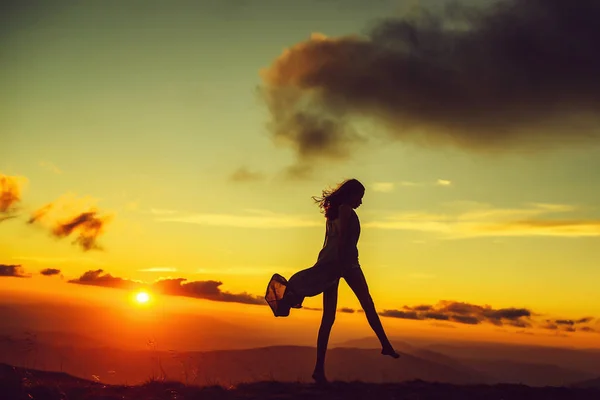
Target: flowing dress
284, 294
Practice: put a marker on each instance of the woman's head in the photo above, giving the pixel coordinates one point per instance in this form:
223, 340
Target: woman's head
349, 192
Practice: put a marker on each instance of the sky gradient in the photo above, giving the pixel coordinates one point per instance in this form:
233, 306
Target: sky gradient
160, 120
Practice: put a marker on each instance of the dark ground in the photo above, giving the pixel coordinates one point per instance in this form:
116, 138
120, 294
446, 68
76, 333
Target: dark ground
27, 384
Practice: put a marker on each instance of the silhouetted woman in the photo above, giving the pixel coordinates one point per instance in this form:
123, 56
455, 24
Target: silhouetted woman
337, 259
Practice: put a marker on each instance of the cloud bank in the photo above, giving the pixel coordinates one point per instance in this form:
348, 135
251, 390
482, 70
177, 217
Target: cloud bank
472, 314
208, 290
464, 313
520, 74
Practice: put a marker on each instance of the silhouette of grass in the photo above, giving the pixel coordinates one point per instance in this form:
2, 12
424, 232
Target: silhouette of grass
27, 384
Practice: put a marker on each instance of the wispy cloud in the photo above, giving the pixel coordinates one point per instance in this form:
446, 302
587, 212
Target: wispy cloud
59, 260
162, 211
158, 269
244, 174
387, 187
48, 166
485, 220
260, 219
384, 187
10, 195
242, 270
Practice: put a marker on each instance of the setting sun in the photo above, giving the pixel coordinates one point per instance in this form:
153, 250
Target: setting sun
142, 297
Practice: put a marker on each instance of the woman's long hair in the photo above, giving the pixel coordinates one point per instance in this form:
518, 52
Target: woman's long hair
331, 199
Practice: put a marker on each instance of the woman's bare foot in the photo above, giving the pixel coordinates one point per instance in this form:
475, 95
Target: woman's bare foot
390, 352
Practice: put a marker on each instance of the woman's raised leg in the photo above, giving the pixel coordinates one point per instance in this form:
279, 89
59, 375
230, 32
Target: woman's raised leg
357, 282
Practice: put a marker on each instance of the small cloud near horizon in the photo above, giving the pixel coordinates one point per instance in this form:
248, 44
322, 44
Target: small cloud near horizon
569, 325
50, 272
15, 271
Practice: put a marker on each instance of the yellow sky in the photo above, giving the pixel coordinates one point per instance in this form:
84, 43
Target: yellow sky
160, 131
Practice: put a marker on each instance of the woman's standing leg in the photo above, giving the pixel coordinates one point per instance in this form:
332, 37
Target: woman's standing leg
357, 282
329, 307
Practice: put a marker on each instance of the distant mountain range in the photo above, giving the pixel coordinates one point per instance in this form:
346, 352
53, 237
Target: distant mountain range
292, 364
91, 344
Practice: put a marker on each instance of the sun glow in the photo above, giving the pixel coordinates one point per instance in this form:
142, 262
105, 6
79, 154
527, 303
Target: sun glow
142, 297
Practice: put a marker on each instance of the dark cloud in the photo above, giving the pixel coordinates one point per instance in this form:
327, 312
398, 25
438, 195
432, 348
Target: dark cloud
520, 74
424, 307
549, 325
400, 314
584, 320
564, 322
464, 313
85, 226
15, 271
243, 174
568, 325
50, 272
465, 319
100, 278
435, 315
347, 310
10, 196
209, 290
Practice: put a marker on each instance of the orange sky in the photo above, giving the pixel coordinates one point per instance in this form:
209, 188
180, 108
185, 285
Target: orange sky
139, 145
